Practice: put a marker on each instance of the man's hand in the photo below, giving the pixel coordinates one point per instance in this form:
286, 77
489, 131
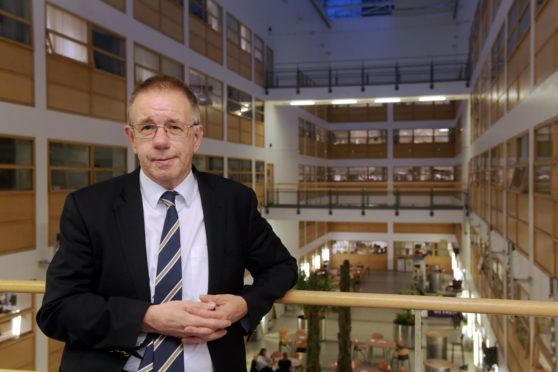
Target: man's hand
227, 306
193, 322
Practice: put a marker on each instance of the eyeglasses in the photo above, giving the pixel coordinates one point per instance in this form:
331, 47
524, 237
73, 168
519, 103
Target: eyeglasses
173, 130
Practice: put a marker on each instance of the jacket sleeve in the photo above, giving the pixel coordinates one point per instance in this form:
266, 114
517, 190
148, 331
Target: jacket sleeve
73, 310
273, 268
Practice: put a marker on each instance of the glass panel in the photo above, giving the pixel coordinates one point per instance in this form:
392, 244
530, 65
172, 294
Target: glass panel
423, 135
358, 174
377, 173
107, 174
358, 137
523, 149
197, 83
524, 23
543, 176
16, 151
339, 246
143, 74
402, 174
68, 179
146, 58
107, 41
109, 157
443, 174
234, 164
67, 48
341, 137
215, 86
376, 136
67, 154
16, 179
200, 162
196, 9
442, 135
543, 145
338, 174
18, 8
66, 24
109, 64
403, 135
173, 68
15, 30
260, 166
247, 165
422, 174
216, 163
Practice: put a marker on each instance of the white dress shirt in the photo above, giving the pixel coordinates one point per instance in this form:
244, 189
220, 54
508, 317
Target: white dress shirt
193, 245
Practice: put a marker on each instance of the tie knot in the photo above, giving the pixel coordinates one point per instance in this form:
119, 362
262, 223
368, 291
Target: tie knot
168, 198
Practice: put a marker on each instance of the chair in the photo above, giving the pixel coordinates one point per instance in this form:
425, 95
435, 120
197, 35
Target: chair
400, 356
359, 348
384, 366
283, 337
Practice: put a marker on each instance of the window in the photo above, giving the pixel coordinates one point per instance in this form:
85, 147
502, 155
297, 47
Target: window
260, 120
165, 16
148, 63
340, 137
403, 135
358, 137
210, 97
75, 165
240, 170
497, 53
68, 36
377, 174
16, 164
422, 135
206, 29
239, 47
15, 20
518, 23
338, 174
210, 164
239, 103
543, 145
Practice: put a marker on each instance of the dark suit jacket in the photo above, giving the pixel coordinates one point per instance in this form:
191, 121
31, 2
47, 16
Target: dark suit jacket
97, 287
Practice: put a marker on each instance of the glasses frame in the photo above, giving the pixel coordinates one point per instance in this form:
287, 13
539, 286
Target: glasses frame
163, 126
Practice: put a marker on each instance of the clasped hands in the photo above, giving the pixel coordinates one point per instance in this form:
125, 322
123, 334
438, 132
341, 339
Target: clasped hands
195, 322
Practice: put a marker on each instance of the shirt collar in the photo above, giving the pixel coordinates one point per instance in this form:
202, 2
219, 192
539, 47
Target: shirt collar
152, 191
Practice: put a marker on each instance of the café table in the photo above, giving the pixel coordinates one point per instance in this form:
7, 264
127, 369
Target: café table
293, 338
382, 343
437, 365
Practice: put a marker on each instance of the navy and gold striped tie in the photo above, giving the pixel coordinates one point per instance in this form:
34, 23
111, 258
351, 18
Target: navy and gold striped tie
165, 353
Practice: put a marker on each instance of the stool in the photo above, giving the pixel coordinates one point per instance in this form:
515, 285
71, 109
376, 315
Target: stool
400, 356
358, 348
384, 366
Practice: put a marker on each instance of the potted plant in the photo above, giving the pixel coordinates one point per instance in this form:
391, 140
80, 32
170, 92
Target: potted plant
404, 328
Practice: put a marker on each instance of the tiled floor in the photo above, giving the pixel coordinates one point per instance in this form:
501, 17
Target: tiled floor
364, 322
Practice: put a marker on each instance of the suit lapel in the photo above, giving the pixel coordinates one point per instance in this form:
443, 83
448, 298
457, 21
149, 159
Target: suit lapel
215, 221
129, 216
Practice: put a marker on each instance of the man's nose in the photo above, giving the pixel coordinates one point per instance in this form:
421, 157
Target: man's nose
161, 138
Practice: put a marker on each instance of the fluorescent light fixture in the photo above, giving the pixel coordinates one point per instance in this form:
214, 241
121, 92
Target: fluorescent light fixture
302, 103
244, 109
387, 100
432, 98
444, 130
343, 101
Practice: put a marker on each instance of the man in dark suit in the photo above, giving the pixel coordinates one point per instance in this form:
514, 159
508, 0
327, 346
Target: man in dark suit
103, 283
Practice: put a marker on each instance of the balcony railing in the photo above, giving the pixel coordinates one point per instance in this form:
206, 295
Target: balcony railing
372, 300
429, 196
332, 74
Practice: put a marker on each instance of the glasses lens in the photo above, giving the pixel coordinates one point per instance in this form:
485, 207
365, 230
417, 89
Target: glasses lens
146, 130
175, 130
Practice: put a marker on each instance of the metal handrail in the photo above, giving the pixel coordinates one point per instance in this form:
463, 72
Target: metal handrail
373, 300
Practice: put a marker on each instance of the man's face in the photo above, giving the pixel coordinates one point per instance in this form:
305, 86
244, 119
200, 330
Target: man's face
165, 160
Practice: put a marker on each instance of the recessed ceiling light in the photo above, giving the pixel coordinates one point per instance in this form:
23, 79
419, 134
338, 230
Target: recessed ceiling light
387, 100
302, 103
432, 98
343, 101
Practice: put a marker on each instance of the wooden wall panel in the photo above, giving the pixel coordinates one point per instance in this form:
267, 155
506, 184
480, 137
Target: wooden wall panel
544, 216
523, 207
545, 252
197, 35
17, 236
17, 206
55, 205
424, 228
402, 150
173, 30
62, 70
523, 237
16, 88
215, 46
108, 85
108, 108
378, 227
118, 4
67, 99
16, 58
443, 261
233, 128
18, 353
512, 229
144, 14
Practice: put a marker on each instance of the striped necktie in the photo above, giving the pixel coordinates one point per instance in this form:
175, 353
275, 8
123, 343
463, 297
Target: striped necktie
165, 353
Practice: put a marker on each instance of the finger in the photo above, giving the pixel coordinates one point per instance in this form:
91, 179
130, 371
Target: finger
201, 332
208, 314
192, 340
210, 298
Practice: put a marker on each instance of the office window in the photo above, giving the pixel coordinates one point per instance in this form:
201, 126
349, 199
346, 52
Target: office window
338, 174
16, 164
403, 135
210, 164
15, 20
259, 66
358, 173
358, 137
85, 67
376, 136
377, 174
148, 63
239, 103
239, 47
240, 170
423, 135
206, 29
543, 143
210, 97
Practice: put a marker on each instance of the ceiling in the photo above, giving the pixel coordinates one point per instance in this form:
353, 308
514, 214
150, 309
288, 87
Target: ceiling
336, 9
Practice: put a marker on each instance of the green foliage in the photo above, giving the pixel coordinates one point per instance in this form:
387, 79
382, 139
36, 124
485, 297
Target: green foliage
313, 314
344, 320
406, 318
